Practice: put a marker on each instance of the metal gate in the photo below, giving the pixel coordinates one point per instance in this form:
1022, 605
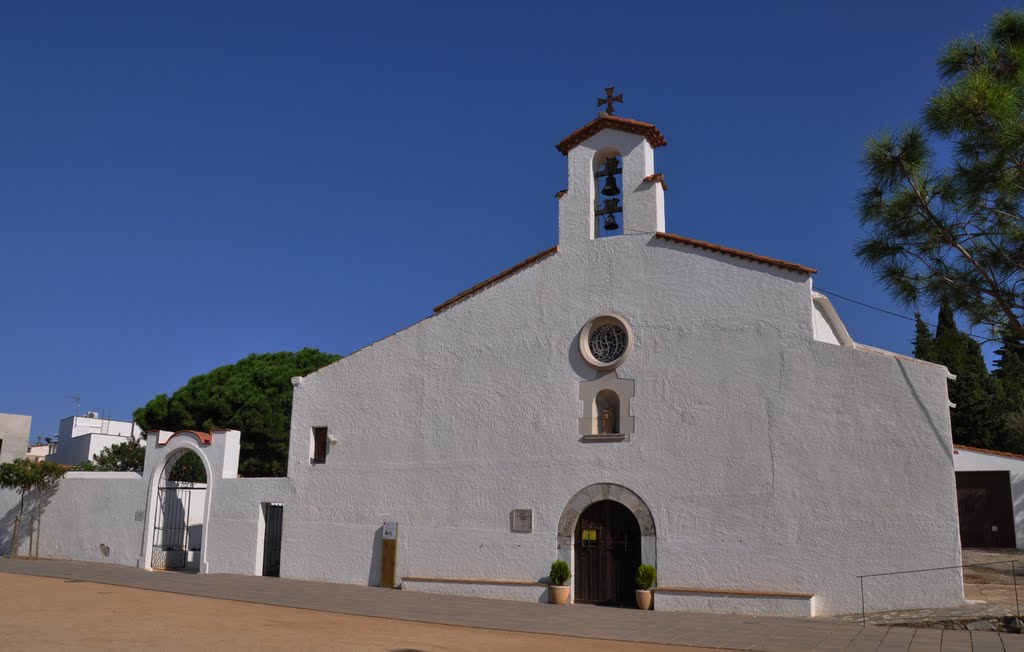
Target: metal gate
274, 513
177, 543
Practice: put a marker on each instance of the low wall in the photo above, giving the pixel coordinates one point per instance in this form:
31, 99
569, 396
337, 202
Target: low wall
235, 543
733, 602
90, 517
503, 589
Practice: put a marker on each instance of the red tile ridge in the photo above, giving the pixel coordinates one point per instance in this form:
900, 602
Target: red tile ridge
700, 244
989, 451
205, 438
494, 279
657, 177
605, 121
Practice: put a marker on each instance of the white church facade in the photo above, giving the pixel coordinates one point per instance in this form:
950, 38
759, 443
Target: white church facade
628, 396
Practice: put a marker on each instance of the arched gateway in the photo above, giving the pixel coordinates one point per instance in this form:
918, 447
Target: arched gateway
604, 533
177, 510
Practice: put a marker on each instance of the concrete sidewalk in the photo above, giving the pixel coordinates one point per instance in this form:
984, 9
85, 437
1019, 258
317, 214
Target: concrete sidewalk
672, 628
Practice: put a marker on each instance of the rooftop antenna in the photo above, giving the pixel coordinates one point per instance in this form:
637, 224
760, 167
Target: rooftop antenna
78, 403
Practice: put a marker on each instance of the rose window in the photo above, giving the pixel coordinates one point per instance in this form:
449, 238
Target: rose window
608, 342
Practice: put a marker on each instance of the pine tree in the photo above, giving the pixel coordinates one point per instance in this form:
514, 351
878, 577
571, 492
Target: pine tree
954, 232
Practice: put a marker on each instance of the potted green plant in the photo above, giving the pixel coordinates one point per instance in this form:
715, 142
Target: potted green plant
646, 576
558, 590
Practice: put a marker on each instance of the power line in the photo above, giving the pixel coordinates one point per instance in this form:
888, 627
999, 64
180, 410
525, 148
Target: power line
867, 305
980, 340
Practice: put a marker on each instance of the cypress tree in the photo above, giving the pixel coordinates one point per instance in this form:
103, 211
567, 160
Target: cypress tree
975, 421
922, 338
1009, 408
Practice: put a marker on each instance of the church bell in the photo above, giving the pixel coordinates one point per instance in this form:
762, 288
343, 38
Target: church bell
610, 224
611, 189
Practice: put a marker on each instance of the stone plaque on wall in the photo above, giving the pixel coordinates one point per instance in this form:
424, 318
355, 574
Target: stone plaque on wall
522, 520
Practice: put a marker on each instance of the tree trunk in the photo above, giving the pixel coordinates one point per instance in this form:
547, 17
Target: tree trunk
31, 524
39, 519
17, 523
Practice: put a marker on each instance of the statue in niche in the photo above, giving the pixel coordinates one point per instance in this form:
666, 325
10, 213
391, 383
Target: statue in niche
607, 405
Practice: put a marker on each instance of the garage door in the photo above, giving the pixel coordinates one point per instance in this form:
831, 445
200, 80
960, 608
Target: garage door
986, 509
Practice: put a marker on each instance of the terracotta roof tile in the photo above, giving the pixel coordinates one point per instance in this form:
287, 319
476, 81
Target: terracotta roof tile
497, 277
605, 121
700, 244
989, 452
205, 438
657, 177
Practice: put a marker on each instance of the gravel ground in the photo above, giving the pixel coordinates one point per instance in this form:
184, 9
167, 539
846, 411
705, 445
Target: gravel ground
53, 614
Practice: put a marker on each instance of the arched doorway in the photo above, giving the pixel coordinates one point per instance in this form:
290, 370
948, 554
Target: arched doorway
604, 565
607, 543
180, 513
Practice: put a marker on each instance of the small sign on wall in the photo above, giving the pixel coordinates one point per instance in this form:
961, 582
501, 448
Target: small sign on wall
140, 515
390, 531
522, 520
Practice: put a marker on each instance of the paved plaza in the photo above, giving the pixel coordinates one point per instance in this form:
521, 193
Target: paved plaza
609, 624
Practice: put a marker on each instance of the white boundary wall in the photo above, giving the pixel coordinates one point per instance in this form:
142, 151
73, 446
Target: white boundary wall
91, 517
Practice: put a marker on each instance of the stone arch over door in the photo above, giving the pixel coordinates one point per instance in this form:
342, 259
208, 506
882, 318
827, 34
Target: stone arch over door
163, 461
606, 491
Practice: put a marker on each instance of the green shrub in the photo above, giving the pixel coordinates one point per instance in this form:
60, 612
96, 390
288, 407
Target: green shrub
646, 576
559, 573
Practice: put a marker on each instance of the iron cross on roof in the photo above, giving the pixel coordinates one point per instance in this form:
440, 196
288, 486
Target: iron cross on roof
609, 99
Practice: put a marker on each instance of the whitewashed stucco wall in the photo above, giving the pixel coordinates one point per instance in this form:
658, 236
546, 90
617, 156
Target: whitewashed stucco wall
966, 459
91, 517
14, 435
235, 544
769, 461
102, 516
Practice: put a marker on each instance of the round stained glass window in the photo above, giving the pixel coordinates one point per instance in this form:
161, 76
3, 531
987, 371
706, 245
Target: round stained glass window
606, 341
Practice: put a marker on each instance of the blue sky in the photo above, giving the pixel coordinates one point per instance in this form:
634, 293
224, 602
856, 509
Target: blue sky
186, 183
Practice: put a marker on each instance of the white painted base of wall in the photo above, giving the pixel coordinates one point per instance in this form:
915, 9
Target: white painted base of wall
502, 590
715, 602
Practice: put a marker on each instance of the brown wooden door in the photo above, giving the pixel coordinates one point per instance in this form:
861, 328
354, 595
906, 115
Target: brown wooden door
986, 509
607, 554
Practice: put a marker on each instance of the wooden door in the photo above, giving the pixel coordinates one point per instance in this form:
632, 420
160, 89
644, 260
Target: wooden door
986, 509
607, 550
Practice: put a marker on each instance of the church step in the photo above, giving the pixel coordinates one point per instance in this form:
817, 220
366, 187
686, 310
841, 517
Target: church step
733, 601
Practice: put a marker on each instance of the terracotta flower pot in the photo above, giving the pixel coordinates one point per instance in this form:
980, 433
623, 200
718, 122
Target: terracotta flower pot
558, 594
644, 599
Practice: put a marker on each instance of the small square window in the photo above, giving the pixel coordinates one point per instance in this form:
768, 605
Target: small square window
319, 446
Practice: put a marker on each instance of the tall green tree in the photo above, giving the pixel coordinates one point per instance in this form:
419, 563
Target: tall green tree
254, 395
953, 232
26, 477
922, 339
1009, 373
45, 478
129, 455
975, 420
18, 475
